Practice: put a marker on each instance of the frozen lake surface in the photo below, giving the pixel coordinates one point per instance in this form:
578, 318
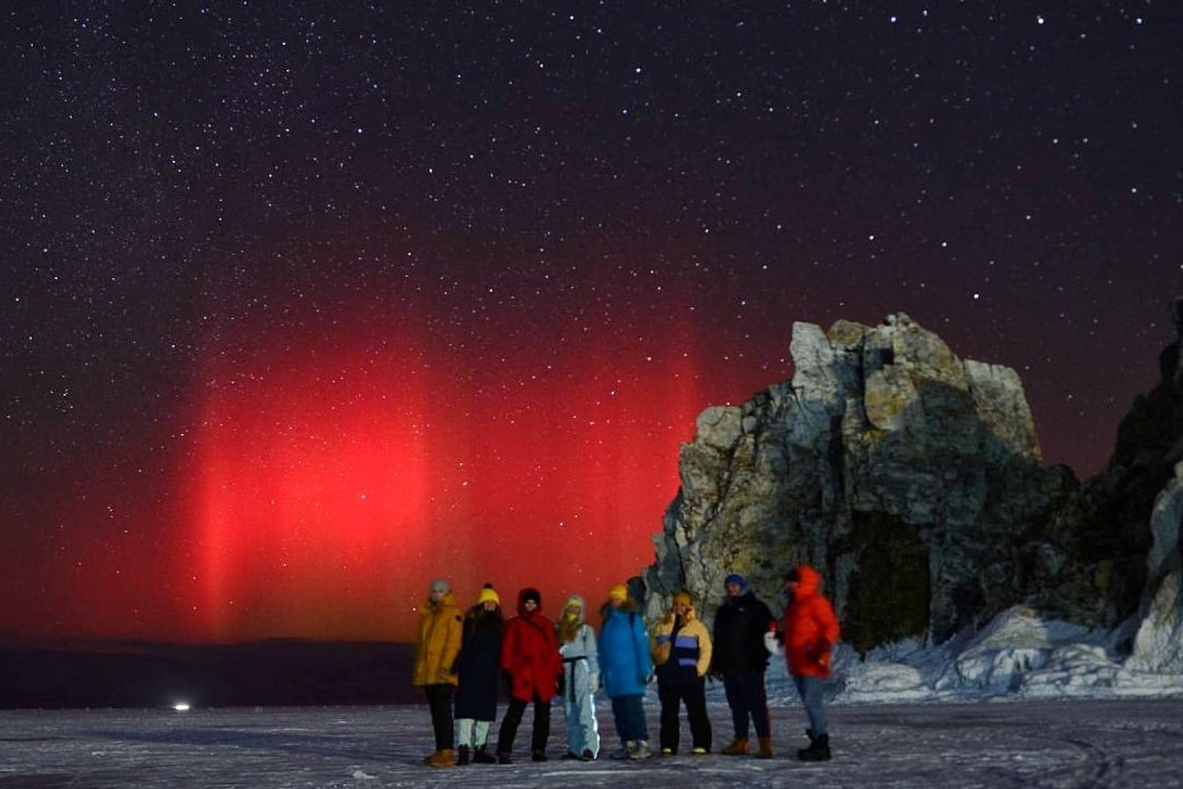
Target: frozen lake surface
1077, 743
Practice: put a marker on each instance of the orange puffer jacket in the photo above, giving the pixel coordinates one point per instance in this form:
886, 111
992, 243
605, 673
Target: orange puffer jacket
810, 627
439, 641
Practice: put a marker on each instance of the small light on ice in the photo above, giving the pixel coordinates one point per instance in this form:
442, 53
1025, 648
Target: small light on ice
181, 706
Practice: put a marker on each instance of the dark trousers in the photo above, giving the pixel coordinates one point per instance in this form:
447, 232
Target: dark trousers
672, 697
439, 701
513, 719
628, 712
747, 698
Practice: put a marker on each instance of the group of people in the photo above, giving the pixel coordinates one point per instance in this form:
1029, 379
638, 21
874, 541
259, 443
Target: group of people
463, 658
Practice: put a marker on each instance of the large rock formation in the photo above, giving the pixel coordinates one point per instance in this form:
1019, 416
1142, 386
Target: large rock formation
1135, 510
911, 478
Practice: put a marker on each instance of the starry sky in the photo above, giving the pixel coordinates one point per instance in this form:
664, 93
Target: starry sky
302, 308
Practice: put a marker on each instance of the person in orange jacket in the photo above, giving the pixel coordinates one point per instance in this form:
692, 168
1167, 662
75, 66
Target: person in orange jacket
434, 671
810, 631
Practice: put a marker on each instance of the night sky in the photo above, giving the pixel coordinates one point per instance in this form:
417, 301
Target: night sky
300, 309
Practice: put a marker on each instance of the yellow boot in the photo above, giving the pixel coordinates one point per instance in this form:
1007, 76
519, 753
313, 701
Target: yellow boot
765, 748
443, 758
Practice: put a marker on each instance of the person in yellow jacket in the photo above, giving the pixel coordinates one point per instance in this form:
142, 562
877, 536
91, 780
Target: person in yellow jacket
440, 631
681, 649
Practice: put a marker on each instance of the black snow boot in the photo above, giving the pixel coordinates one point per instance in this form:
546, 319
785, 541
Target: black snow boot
482, 756
818, 750
463, 754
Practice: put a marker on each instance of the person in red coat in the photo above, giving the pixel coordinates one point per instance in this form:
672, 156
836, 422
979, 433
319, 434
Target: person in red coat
531, 664
810, 631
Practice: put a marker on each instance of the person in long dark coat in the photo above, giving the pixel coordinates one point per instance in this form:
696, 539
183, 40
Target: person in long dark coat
479, 668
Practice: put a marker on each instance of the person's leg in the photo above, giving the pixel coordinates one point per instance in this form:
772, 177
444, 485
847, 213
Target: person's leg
810, 689
757, 700
574, 730
588, 728
541, 732
638, 727
733, 687
464, 727
668, 733
480, 736
439, 701
509, 727
620, 720
696, 713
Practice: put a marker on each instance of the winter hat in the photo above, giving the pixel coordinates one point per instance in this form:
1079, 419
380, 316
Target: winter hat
736, 578
684, 599
441, 586
532, 594
573, 600
488, 593
618, 592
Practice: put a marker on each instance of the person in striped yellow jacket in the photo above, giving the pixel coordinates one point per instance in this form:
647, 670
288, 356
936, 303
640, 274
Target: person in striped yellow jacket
681, 649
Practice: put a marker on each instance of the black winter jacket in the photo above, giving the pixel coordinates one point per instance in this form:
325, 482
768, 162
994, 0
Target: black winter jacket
740, 625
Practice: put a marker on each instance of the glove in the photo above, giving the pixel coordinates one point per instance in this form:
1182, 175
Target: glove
771, 644
823, 654
595, 684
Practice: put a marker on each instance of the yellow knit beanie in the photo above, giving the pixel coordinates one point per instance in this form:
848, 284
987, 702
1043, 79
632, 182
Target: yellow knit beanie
618, 592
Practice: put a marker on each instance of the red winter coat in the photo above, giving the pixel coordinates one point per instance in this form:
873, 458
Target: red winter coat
530, 654
810, 627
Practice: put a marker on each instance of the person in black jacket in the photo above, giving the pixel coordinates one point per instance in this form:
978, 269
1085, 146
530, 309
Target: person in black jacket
479, 668
740, 658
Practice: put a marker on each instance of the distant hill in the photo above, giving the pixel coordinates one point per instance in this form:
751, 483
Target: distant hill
80, 674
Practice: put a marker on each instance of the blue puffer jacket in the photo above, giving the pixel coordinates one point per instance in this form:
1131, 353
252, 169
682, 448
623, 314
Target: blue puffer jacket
625, 664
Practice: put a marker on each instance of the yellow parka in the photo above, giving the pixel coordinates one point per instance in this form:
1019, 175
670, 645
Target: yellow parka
439, 642
693, 642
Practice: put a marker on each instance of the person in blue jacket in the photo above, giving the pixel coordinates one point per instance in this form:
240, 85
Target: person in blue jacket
625, 669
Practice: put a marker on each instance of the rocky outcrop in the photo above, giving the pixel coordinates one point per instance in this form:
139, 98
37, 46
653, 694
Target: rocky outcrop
911, 478
1158, 644
1135, 509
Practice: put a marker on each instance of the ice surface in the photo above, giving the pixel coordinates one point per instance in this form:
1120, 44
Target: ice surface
1022, 703
980, 744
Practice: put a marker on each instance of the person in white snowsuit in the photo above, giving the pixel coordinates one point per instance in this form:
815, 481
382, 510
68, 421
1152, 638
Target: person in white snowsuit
581, 676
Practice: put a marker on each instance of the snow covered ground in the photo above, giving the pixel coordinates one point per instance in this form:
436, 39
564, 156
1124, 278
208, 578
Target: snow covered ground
1023, 703
984, 744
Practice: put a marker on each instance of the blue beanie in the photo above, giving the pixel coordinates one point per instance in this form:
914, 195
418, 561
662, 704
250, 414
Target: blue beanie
736, 578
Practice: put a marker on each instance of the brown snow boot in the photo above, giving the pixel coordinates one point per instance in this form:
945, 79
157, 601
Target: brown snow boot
442, 758
738, 747
463, 755
765, 748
